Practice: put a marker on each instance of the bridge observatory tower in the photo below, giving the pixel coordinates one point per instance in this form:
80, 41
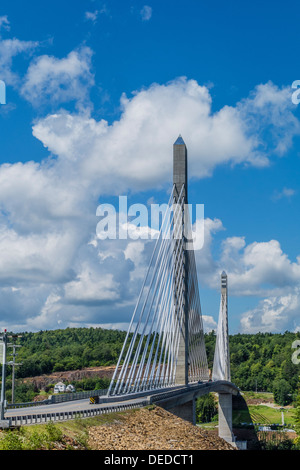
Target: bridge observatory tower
180, 184
164, 345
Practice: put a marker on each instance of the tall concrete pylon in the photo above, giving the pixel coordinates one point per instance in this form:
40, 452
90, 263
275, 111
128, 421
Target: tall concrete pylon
221, 366
191, 359
164, 345
180, 170
181, 259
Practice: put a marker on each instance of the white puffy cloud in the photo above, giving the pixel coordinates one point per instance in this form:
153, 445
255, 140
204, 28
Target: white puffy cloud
269, 112
91, 288
53, 81
256, 269
34, 196
134, 151
48, 210
259, 267
259, 270
10, 48
35, 258
135, 252
275, 313
209, 323
53, 269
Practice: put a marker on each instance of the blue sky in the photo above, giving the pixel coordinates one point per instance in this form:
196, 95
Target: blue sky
97, 92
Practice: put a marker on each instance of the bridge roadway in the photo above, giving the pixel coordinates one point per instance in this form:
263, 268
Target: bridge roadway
68, 406
168, 398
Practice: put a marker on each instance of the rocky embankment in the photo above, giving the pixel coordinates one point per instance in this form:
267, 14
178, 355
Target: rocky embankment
43, 381
153, 429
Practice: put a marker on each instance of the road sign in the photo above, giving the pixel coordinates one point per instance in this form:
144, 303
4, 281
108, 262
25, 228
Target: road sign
94, 400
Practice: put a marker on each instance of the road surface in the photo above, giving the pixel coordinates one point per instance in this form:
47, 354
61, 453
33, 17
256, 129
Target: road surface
75, 405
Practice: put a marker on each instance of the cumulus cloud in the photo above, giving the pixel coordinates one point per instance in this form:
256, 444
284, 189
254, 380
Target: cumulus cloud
48, 209
259, 269
54, 81
134, 151
268, 112
34, 258
256, 269
209, 323
275, 314
90, 288
9, 49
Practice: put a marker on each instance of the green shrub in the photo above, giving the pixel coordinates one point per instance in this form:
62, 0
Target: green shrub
37, 440
11, 440
54, 433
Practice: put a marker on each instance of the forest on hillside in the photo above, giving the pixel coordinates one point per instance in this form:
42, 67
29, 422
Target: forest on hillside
262, 362
259, 362
50, 351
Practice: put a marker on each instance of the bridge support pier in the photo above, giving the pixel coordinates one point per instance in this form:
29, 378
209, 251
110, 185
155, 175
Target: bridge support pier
186, 411
225, 417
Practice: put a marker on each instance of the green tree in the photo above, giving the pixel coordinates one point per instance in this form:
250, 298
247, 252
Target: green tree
206, 408
282, 392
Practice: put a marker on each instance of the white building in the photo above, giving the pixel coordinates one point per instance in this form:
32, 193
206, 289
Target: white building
59, 387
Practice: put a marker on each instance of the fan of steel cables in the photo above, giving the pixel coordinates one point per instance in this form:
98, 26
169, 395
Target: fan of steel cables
149, 355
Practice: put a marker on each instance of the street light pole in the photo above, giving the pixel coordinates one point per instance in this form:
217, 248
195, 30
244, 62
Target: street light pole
13, 376
2, 403
13, 363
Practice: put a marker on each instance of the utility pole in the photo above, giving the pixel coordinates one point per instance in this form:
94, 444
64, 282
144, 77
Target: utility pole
13, 363
2, 401
5, 423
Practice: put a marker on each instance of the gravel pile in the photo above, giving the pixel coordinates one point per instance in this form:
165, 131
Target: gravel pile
153, 429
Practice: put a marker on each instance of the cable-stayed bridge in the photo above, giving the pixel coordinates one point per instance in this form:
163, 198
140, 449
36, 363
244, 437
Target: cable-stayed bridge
163, 359
164, 349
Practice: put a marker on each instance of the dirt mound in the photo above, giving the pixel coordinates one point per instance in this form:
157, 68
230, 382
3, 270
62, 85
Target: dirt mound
153, 429
258, 401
